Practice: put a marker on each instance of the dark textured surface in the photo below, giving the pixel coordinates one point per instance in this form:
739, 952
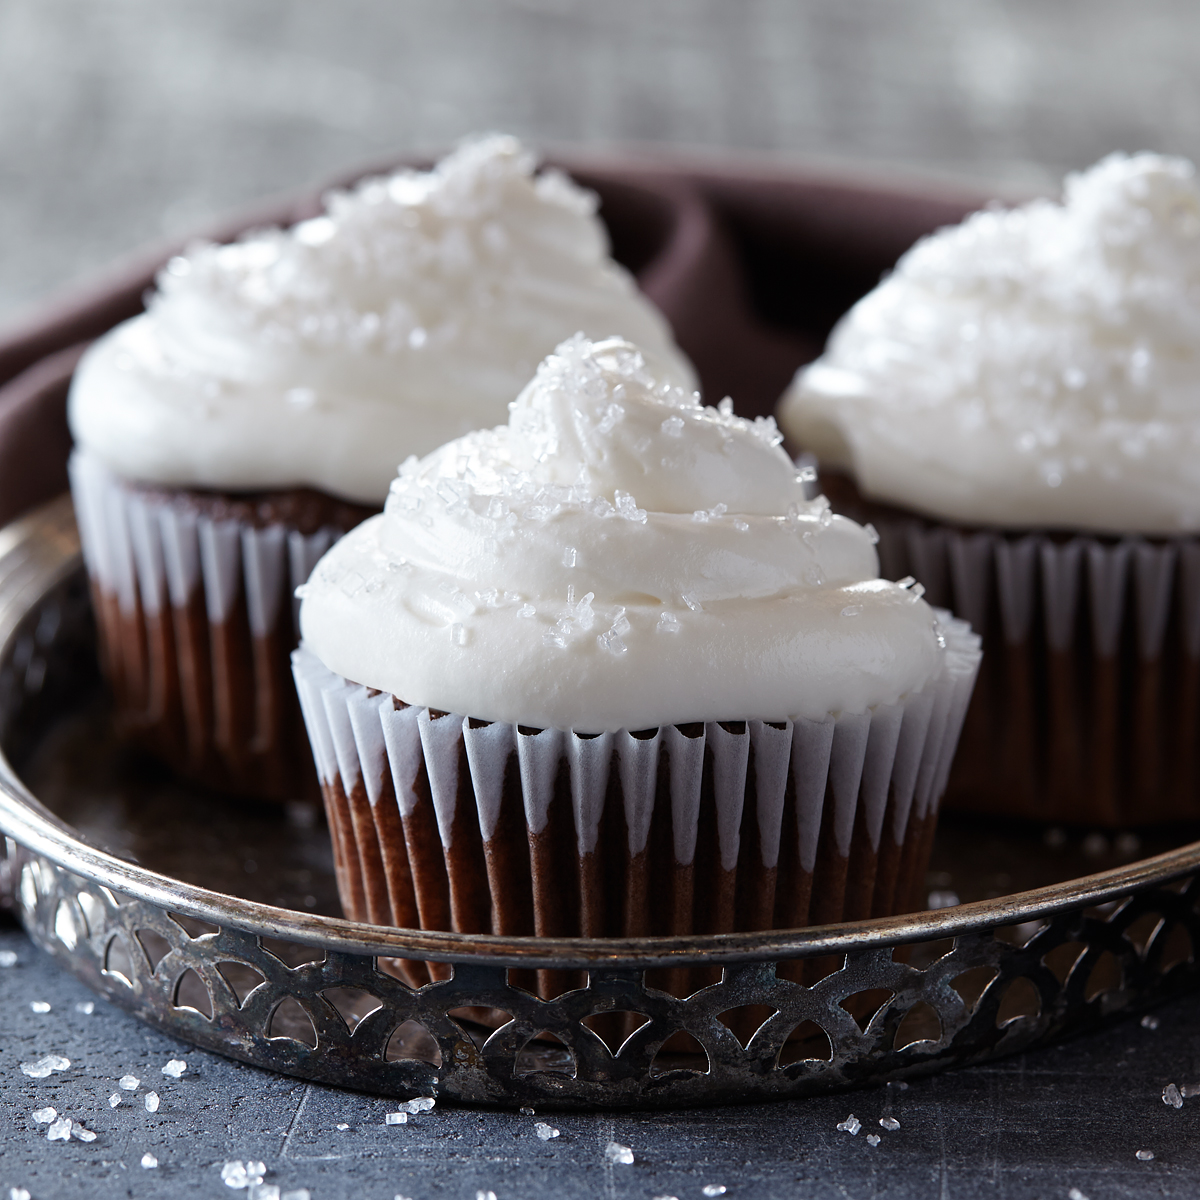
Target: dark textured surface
1033, 1127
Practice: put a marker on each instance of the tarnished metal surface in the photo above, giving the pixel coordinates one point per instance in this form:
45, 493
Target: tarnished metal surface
305, 994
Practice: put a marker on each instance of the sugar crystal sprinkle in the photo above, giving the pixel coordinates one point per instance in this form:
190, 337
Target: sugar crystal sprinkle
19, 1193
544, 1131
873, 1139
419, 1105
43, 1116
59, 1131
149, 1162
1149, 1021
128, 1083
1076, 1194
395, 1118
1171, 1096
527, 1112
714, 1189
45, 1066
485, 1195
889, 1123
40, 1006
87, 1007
152, 1102
114, 1100
616, 1153
8, 958
342, 1126
84, 1135
175, 1068
1144, 1155
237, 1174
850, 1125
297, 1194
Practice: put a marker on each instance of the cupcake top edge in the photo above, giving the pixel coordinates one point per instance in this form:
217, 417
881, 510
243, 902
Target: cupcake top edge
616, 556
410, 312
1032, 367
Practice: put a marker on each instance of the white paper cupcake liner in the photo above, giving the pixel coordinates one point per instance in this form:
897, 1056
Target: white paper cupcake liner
195, 627
1088, 703
443, 821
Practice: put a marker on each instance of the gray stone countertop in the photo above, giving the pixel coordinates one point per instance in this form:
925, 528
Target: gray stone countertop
1062, 1123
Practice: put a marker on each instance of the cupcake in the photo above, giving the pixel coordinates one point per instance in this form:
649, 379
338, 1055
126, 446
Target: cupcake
1017, 409
605, 671
260, 406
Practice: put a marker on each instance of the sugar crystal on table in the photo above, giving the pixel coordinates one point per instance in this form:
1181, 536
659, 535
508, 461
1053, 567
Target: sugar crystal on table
850, 1125
59, 1131
175, 1068
396, 1118
114, 1100
714, 1189
544, 1131
873, 1139
19, 1193
152, 1102
616, 1153
1172, 1097
149, 1162
8, 958
419, 1105
1149, 1021
87, 1007
40, 1006
1145, 1155
45, 1066
128, 1083
889, 1123
84, 1135
43, 1116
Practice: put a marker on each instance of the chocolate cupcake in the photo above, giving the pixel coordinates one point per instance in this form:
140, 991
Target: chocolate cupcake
1017, 410
259, 408
604, 671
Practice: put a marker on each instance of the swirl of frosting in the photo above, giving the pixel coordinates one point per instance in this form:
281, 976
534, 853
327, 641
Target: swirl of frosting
410, 313
617, 556
1032, 367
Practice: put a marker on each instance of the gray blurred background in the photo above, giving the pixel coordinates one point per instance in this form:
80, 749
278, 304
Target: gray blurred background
125, 120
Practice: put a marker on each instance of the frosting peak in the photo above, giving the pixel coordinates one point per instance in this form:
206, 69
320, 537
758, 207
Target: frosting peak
616, 556
594, 417
1036, 366
410, 312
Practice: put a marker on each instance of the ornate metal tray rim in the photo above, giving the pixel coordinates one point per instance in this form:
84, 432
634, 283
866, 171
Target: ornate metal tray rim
37, 562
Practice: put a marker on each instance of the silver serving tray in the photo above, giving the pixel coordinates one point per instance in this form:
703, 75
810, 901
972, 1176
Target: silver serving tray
196, 950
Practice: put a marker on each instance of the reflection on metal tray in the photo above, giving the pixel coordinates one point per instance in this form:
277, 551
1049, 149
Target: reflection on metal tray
214, 919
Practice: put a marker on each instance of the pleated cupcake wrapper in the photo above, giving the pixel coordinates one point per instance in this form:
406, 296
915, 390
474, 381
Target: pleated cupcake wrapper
195, 628
1088, 704
441, 821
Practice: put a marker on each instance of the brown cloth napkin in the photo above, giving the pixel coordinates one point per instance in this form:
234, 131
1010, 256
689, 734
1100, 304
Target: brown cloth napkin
752, 267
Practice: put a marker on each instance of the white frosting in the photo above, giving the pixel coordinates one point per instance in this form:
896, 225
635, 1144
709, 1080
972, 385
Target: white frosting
617, 556
412, 312
1033, 367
